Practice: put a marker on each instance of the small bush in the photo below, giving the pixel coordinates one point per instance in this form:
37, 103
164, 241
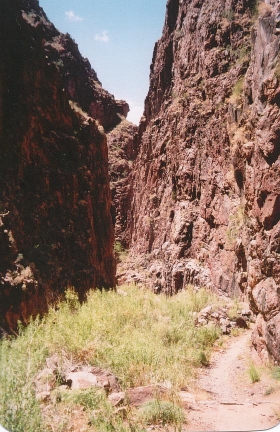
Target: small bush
254, 373
161, 412
276, 372
201, 359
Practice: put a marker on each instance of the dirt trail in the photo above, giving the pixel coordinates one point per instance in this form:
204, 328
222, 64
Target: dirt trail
226, 400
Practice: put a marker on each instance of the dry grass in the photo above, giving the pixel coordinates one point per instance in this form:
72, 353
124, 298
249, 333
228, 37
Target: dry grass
140, 337
254, 373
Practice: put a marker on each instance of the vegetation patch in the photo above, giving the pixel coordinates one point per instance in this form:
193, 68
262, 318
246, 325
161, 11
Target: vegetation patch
276, 373
236, 95
254, 374
161, 412
141, 338
120, 251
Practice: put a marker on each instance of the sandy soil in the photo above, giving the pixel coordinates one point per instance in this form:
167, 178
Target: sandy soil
224, 397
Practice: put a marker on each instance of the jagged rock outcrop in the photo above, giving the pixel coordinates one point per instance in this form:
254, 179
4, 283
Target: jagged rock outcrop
55, 206
206, 192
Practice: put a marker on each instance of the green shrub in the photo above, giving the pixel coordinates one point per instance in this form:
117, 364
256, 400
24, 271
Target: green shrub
161, 412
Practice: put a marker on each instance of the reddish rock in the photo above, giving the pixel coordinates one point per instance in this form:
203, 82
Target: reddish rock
206, 188
56, 228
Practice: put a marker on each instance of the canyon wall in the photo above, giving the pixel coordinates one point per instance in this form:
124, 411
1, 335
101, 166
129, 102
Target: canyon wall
55, 206
206, 191
122, 150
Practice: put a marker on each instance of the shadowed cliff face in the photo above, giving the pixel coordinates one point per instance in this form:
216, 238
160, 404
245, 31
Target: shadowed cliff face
206, 181
55, 221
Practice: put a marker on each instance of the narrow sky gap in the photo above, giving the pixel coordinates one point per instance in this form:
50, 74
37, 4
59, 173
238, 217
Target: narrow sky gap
117, 37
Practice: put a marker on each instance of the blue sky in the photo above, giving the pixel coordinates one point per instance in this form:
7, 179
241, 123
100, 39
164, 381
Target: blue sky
118, 37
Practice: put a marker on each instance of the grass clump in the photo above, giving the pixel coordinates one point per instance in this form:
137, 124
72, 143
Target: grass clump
160, 412
254, 374
140, 337
90, 398
275, 373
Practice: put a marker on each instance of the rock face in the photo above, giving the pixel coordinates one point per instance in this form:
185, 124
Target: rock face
206, 191
55, 206
122, 149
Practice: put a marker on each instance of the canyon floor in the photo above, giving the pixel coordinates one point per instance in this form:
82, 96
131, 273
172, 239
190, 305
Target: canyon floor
225, 399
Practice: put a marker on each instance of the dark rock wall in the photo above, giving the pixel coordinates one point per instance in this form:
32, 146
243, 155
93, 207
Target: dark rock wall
56, 228
206, 180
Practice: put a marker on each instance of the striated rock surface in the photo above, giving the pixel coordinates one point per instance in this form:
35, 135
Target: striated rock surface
206, 191
55, 206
